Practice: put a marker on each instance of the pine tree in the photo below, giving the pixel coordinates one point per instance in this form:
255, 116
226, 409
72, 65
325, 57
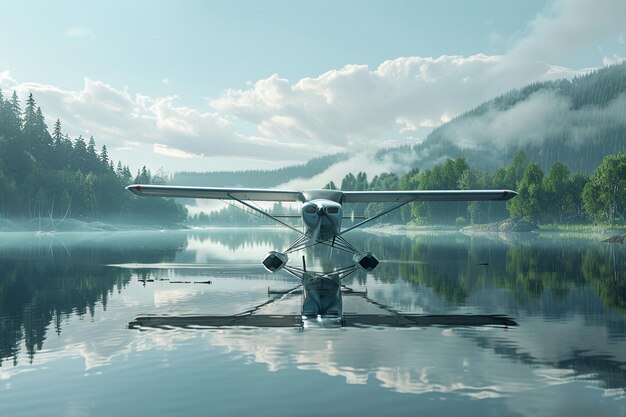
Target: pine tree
78, 161
30, 123
3, 115
91, 147
14, 117
93, 160
57, 135
43, 135
104, 156
143, 177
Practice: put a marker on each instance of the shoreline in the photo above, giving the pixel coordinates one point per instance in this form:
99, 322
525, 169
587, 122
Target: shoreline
77, 225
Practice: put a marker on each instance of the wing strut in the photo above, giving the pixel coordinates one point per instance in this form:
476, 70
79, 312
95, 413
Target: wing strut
258, 210
397, 206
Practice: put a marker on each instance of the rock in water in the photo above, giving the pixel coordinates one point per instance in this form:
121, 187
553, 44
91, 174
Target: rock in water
616, 239
505, 226
516, 225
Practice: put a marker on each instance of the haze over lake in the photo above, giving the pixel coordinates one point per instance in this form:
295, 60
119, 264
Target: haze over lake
66, 300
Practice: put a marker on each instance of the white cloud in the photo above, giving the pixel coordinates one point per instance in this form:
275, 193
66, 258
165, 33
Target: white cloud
6, 81
569, 26
612, 60
79, 32
355, 107
117, 117
167, 151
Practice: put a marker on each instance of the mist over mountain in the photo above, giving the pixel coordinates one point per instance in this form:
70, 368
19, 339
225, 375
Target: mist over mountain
576, 121
258, 178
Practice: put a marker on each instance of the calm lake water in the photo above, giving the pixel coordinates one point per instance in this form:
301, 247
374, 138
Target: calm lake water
66, 349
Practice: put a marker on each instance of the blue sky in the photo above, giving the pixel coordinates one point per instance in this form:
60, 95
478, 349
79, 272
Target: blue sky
204, 47
205, 85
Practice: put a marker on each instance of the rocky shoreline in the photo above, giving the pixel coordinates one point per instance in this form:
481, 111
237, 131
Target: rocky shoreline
504, 226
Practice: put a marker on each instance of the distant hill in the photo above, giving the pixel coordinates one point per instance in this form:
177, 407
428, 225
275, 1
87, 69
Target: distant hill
576, 121
257, 178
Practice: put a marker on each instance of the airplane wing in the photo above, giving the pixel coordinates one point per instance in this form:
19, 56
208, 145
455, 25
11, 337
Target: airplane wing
216, 193
260, 194
348, 320
425, 195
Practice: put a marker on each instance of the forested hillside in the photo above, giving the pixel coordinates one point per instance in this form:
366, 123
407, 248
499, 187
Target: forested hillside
576, 121
54, 176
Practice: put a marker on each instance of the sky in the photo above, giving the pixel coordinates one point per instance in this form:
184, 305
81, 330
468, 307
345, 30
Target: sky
230, 85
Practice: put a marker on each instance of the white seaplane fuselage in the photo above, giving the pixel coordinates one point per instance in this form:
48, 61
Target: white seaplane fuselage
322, 219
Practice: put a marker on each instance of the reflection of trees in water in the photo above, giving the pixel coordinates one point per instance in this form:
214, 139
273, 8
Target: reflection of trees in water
240, 238
44, 286
531, 269
455, 265
604, 270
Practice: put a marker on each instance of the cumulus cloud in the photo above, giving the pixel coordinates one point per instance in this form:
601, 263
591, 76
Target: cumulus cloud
124, 121
356, 108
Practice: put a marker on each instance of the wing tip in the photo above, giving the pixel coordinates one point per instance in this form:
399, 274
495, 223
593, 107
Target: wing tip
134, 188
508, 194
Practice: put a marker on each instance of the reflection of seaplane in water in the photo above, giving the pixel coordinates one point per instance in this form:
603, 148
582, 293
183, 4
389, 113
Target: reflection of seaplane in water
362, 312
322, 215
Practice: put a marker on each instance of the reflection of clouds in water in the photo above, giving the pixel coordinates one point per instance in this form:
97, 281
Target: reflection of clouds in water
406, 361
536, 338
163, 339
415, 361
6, 373
419, 382
164, 298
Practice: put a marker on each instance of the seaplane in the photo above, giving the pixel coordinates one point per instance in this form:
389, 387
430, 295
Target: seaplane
322, 213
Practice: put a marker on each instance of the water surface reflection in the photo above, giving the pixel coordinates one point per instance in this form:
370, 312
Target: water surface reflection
62, 304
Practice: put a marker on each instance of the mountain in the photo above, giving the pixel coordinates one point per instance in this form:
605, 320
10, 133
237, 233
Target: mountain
257, 178
576, 121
